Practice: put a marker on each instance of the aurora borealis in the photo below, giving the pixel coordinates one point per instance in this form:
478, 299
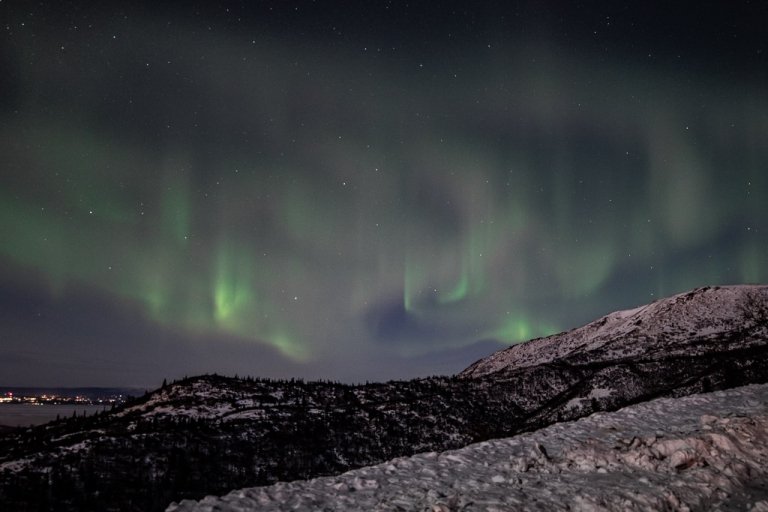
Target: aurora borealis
371, 192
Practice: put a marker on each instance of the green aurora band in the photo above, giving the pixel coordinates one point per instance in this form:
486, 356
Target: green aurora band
524, 215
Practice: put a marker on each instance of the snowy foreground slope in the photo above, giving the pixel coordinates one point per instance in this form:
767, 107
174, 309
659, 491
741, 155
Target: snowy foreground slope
701, 452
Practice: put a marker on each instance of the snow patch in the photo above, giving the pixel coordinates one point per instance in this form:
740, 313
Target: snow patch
600, 393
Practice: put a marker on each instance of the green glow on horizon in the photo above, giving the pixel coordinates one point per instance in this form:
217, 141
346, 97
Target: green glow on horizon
517, 329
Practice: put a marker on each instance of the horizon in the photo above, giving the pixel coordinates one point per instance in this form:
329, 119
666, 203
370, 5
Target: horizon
150, 388
363, 193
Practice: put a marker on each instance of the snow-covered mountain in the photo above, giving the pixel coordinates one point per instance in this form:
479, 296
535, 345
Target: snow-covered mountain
702, 452
210, 434
701, 321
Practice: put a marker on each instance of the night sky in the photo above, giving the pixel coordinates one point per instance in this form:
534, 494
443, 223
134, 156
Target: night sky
363, 190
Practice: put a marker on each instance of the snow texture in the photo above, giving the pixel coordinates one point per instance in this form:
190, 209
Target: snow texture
683, 324
707, 451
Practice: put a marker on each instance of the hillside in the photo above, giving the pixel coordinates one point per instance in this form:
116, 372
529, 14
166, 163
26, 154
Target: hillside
702, 321
702, 452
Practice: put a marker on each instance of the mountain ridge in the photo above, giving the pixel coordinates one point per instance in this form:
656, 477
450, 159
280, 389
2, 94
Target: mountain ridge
678, 324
